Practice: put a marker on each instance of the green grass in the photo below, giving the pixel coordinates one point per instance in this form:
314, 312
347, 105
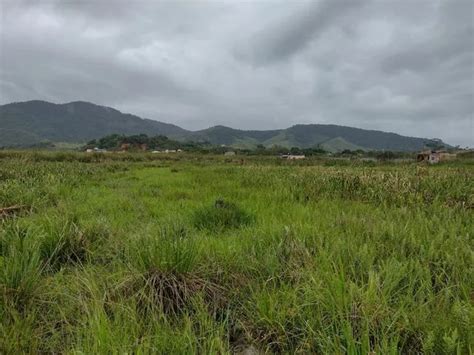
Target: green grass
133, 253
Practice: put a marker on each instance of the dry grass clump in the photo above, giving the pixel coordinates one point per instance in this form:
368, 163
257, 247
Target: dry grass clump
172, 293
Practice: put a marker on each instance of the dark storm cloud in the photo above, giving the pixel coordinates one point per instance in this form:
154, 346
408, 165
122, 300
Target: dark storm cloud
404, 66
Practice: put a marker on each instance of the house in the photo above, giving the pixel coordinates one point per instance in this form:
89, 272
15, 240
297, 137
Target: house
229, 153
429, 156
434, 157
125, 146
296, 157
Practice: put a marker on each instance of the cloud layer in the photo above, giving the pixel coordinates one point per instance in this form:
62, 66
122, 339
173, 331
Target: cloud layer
404, 66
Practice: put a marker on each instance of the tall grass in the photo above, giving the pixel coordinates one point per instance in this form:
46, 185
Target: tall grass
133, 254
20, 267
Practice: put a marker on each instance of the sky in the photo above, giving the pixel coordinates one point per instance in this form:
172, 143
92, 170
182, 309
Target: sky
404, 66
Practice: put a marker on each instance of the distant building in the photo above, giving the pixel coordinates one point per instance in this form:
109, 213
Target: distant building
229, 153
125, 146
434, 157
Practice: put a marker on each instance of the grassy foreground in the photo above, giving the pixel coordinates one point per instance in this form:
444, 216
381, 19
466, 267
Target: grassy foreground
198, 254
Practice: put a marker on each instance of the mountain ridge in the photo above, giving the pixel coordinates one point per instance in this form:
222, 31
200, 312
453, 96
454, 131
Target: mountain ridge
29, 122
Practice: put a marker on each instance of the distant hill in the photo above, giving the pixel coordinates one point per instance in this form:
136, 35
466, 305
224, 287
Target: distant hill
32, 122
332, 138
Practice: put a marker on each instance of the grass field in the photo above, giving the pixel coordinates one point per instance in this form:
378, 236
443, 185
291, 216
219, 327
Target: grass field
185, 254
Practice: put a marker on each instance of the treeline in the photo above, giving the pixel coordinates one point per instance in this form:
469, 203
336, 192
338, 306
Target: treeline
260, 149
160, 142
140, 141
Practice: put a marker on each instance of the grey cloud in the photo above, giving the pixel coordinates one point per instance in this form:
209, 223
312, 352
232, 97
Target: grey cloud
280, 40
423, 56
376, 64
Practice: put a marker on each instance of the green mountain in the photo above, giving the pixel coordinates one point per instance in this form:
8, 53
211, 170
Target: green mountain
29, 123
339, 144
230, 136
332, 138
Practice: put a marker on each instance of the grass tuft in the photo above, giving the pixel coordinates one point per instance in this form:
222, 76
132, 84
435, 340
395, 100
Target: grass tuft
222, 215
174, 293
20, 267
64, 243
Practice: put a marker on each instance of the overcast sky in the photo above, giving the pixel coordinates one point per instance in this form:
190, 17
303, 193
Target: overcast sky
405, 66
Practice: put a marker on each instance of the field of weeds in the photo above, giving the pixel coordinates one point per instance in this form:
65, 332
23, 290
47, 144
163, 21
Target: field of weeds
199, 254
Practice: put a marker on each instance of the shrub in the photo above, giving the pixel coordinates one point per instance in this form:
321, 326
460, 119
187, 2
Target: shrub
172, 249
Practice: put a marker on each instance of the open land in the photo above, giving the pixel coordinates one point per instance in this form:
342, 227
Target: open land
140, 253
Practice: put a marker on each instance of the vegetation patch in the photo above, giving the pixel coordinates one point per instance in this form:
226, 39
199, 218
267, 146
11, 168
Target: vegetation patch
222, 215
399, 188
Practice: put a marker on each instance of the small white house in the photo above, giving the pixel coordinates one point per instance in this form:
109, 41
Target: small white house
229, 153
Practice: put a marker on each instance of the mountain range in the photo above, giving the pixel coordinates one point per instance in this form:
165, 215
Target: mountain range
28, 123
